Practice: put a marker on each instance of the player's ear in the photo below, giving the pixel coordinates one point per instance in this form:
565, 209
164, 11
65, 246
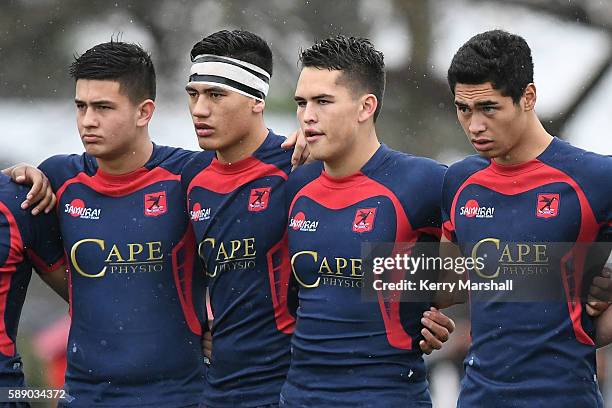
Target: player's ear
258, 106
529, 97
145, 112
367, 107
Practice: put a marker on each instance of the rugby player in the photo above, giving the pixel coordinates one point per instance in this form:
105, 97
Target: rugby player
236, 197
347, 352
524, 194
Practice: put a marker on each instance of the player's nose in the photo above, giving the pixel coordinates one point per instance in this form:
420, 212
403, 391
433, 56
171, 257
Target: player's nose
309, 115
201, 108
476, 125
89, 118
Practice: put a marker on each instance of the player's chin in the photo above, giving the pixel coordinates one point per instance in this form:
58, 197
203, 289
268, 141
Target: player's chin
320, 150
94, 149
489, 154
208, 144
318, 153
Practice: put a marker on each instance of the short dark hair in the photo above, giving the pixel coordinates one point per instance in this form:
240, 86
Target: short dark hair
125, 63
496, 56
240, 44
361, 64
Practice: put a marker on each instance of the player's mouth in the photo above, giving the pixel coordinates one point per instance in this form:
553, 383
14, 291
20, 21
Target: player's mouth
203, 130
482, 144
312, 135
91, 138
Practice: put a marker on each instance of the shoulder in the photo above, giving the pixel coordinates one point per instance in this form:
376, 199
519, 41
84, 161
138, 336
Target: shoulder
11, 194
65, 161
466, 167
196, 164
590, 171
303, 175
306, 172
63, 167
577, 162
271, 153
11, 197
416, 166
460, 171
405, 173
172, 159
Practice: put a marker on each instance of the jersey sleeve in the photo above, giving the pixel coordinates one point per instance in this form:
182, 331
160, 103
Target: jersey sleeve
45, 248
605, 234
36, 237
186, 176
430, 227
593, 176
448, 228
11, 246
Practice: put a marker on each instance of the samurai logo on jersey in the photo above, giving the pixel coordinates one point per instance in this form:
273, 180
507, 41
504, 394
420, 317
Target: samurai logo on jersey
299, 222
547, 205
259, 199
198, 213
155, 204
77, 208
364, 220
472, 209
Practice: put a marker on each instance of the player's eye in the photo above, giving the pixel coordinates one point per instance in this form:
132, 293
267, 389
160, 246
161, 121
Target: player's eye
300, 104
80, 106
489, 109
192, 94
323, 102
463, 109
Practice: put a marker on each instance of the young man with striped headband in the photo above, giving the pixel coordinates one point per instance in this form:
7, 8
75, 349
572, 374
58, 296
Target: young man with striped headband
236, 201
229, 206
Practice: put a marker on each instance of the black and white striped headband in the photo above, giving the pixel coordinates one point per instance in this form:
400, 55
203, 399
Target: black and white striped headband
230, 73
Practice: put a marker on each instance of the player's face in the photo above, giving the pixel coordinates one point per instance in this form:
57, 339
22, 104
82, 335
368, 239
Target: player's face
328, 113
222, 118
108, 121
492, 122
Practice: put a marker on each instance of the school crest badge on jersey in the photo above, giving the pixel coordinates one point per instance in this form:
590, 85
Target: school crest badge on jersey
547, 205
259, 199
364, 219
155, 204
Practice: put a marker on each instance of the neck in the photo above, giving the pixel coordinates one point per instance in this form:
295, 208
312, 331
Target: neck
246, 145
532, 144
357, 155
128, 161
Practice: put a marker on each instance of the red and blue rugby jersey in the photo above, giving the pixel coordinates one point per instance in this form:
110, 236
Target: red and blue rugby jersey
347, 351
531, 353
238, 212
135, 337
25, 241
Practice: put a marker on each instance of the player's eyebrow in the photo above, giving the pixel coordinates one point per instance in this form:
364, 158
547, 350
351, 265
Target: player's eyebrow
216, 89
486, 103
94, 103
316, 97
478, 104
